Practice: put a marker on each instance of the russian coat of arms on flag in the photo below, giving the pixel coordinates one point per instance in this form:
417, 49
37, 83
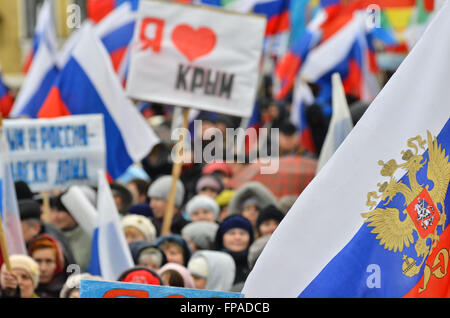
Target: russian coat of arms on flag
380, 226
411, 218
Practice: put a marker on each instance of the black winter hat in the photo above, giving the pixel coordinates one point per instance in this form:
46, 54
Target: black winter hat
271, 212
22, 190
29, 209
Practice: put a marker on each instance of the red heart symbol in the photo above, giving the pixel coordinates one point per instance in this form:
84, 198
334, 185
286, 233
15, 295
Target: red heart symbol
193, 43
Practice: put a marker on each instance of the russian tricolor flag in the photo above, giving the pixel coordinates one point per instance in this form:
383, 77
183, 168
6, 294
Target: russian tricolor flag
116, 32
37, 83
45, 32
43, 66
110, 254
302, 98
380, 228
98, 9
277, 13
88, 85
6, 100
348, 52
286, 70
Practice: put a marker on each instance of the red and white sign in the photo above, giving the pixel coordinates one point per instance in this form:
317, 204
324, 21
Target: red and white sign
199, 57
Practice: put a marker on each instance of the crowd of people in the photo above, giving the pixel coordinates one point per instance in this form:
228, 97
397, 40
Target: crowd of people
217, 230
210, 245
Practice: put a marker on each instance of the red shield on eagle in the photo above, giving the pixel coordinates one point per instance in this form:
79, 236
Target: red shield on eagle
424, 214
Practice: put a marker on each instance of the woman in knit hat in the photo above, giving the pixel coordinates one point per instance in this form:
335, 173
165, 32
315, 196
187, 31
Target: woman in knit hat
209, 185
147, 254
24, 274
202, 208
158, 193
220, 169
234, 236
268, 220
250, 199
46, 251
212, 270
138, 228
71, 288
175, 247
200, 235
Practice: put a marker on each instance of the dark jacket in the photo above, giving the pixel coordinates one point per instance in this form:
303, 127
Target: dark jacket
52, 289
242, 267
178, 222
8, 295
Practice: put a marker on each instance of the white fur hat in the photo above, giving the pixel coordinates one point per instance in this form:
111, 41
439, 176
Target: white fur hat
142, 224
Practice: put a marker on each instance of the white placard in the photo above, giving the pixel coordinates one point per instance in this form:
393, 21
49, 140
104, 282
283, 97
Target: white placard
196, 56
51, 154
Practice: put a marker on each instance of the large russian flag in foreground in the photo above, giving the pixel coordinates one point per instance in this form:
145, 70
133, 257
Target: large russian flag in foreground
373, 223
88, 85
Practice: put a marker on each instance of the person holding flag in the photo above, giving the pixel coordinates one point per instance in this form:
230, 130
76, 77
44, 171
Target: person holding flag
21, 280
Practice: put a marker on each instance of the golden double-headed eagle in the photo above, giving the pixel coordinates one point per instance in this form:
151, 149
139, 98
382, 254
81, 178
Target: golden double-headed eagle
393, 225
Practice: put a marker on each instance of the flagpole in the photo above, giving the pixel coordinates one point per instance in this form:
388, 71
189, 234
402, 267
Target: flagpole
3, 245
46, 206
176, 171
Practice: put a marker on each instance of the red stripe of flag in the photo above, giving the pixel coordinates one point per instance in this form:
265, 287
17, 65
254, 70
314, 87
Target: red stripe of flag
98, 9
53, 106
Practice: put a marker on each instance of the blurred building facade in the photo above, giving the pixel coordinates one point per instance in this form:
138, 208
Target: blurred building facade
17, 24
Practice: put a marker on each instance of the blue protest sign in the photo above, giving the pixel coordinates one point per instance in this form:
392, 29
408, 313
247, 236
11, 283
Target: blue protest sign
102, 289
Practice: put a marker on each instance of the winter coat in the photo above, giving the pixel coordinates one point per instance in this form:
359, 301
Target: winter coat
178, 222
52, 289
14, 294
80, 243
221, 267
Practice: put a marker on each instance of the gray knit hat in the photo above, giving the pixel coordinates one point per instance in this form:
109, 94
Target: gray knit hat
201, 233
160, 189
202, 202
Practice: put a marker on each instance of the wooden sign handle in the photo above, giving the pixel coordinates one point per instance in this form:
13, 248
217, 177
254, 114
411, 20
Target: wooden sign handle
176, 172
46, 207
